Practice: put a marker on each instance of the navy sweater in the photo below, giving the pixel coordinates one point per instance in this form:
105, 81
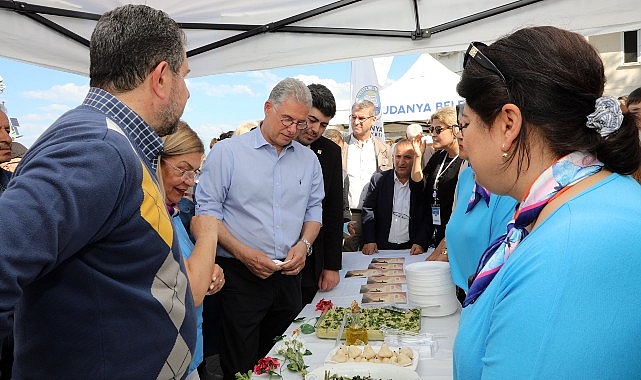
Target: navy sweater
89, 261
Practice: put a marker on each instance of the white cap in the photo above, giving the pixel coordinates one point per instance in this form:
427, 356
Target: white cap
413, 130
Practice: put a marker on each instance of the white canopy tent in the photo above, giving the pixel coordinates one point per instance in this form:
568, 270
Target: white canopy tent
426, 86
232, 35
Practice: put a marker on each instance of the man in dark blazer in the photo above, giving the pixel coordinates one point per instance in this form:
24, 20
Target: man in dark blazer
393, 211
321, 268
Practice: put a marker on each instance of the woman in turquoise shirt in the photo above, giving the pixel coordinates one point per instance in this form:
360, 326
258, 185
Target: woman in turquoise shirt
552, 298
477, 219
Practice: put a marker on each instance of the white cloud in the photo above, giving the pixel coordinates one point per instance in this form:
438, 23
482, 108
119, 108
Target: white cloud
264, 76
69, 92
208, 131
55, 108
49, 117
340, 90
219, 90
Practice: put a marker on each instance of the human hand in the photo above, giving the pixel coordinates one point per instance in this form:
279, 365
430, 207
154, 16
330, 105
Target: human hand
296, 256
438, 255
259, 263
370, 248
416, 249
217, 280
418, 143
328, 280
351, 229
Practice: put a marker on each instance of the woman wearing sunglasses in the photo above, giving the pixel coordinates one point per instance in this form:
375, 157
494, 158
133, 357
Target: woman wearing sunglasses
553, 297
478, 217
440, 174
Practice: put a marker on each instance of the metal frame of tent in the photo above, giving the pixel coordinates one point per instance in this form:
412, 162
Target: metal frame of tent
37, 12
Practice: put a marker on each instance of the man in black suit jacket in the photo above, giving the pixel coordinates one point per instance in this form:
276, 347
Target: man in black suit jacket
321, 268
393, 211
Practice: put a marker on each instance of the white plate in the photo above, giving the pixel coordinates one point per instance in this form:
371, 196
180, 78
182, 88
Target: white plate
377, 371
376, 348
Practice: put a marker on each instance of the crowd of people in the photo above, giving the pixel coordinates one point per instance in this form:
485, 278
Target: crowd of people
187, 266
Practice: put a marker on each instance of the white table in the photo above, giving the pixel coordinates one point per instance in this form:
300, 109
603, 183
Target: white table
438, 367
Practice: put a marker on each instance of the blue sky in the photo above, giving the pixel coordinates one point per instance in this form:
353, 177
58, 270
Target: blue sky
37, 96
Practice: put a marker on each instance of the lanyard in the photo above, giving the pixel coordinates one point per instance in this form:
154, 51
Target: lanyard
442, 171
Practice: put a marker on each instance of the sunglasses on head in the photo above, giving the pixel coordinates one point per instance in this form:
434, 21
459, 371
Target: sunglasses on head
474, 52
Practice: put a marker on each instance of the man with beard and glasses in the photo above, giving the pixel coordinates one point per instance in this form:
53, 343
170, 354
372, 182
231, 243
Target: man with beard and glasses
321, 268
90, 263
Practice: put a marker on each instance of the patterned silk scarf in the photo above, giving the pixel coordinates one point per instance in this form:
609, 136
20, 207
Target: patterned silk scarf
478, 193
552, 182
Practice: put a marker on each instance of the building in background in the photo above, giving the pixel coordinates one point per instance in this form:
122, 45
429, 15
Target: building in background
621, 54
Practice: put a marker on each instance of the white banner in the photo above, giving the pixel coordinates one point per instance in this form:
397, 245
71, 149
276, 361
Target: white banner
364, 85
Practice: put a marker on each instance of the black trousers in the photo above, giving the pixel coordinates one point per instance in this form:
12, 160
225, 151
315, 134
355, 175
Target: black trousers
254, 311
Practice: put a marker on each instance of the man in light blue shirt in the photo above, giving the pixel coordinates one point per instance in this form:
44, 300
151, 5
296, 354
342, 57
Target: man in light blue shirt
266, 190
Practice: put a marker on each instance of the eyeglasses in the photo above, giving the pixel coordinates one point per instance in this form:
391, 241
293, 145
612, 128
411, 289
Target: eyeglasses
288, 121
461, 127
480, 58
359, 120
438, 130
185, 175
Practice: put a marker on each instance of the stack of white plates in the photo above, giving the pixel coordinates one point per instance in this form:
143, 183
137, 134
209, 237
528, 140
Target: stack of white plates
430, 287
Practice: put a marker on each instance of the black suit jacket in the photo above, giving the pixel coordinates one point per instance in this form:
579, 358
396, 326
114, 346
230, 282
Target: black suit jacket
329, 243
377, 212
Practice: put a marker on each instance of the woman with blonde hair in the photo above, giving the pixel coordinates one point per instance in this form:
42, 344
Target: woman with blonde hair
440, 175
179, 167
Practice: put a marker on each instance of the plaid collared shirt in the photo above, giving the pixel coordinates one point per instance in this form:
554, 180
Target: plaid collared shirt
137, 130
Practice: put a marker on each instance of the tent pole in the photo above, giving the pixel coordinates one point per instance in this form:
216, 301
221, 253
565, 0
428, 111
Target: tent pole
481, 15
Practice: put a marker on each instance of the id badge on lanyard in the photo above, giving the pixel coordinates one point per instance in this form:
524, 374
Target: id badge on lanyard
436, 212
436, 206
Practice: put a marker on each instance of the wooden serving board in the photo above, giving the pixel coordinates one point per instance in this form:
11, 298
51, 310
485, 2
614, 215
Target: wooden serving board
373, 319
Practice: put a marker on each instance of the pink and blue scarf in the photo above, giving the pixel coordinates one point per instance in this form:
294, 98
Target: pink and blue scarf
478, 193
559, 177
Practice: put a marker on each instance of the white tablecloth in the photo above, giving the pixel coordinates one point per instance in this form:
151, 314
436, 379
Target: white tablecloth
438, 367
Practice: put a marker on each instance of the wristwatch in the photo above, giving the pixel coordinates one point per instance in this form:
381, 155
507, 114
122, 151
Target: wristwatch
308, 245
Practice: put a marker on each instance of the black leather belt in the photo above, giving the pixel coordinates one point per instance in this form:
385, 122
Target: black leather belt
355, 210
406, 245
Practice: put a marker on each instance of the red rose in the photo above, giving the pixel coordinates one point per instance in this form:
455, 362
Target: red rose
324, 305
266, 365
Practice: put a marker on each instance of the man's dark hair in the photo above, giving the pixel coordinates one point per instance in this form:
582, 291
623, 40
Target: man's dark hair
129, 42
323, 99
634, 97
225, 135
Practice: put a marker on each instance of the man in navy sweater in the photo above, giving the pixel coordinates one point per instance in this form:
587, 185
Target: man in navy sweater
90, 263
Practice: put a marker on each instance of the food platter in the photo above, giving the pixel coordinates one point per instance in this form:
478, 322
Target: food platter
376, 348
373, 320
375, 371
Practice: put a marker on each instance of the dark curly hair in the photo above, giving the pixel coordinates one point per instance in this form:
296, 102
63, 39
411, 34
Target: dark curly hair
555, 77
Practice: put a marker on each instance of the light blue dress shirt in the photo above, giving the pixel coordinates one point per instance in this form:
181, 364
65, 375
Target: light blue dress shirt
262, 198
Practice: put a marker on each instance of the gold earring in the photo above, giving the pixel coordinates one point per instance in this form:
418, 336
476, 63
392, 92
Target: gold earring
504, 155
